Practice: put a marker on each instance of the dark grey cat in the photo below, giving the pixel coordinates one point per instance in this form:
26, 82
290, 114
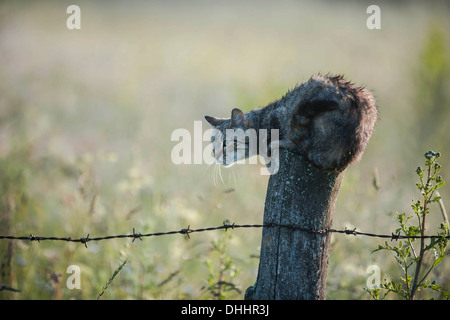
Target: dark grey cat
328, 120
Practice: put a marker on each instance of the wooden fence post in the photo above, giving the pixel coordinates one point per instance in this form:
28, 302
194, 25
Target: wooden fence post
293, 263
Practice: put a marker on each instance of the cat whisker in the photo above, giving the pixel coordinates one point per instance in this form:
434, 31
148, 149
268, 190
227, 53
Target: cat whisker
220, 174
238, 173
206, 168
215, 175
234, 176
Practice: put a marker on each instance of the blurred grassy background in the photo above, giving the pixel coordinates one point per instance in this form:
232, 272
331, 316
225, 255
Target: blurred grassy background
86, 118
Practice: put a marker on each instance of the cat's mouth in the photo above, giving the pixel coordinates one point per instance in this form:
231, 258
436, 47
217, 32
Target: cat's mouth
224, 160
227, 157
227, 165
231, 154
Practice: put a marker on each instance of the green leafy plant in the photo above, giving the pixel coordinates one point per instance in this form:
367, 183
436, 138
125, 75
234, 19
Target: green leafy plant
221, 271
409, 255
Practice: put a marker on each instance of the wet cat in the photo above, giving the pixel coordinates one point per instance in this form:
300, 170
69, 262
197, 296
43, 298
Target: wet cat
326, 119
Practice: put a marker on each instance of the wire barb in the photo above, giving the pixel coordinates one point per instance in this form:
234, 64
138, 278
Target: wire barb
227, 225
186, 231
395, 236
85, 240
136, 236
353, 232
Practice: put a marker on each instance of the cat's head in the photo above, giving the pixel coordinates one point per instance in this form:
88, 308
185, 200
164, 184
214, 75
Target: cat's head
233, 139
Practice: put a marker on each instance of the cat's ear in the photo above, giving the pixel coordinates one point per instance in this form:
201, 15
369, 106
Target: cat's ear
214, 121
238, 118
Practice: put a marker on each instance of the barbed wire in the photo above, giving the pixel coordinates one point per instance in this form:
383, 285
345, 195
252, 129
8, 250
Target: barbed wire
187, 231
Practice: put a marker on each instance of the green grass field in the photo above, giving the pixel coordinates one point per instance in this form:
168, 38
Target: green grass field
86, 118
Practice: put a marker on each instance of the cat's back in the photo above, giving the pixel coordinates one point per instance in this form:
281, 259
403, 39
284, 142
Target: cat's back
331, 120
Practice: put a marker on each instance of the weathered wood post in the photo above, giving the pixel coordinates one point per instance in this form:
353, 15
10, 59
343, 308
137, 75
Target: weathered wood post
293, 263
